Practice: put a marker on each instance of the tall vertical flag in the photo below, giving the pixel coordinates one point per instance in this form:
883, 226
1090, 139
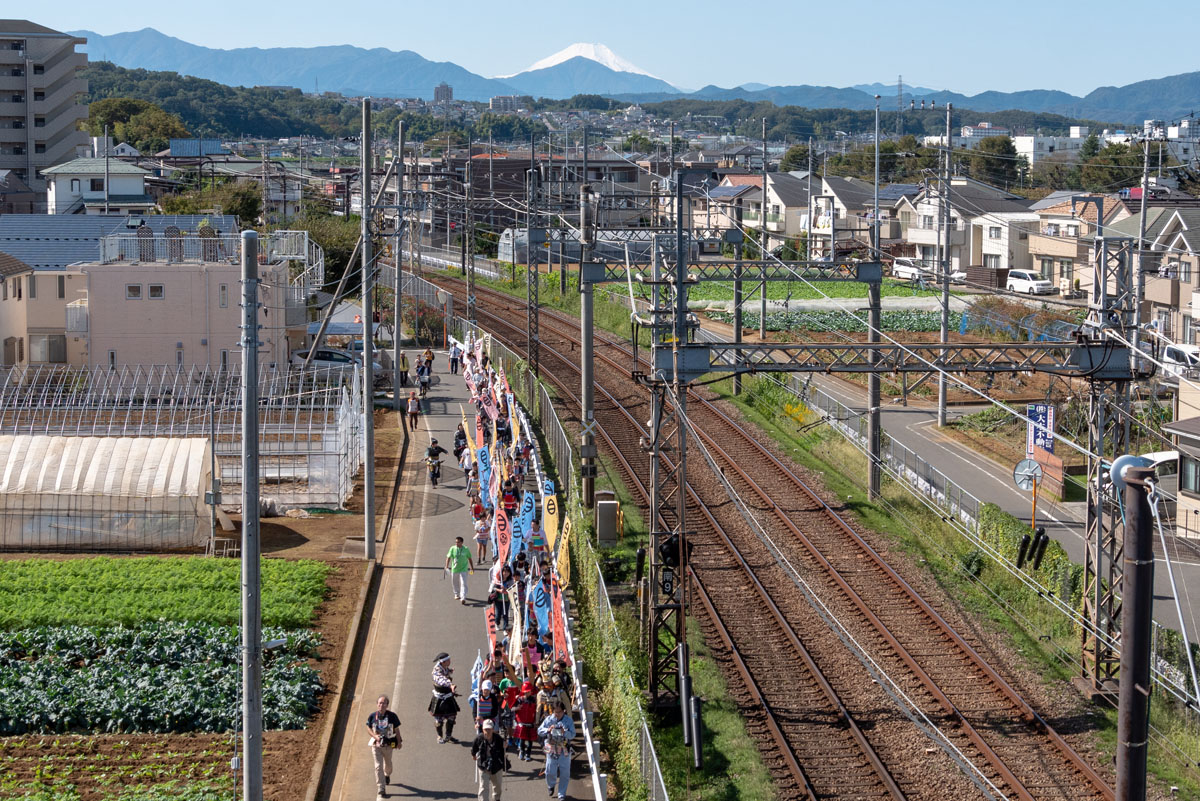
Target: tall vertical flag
503, 535
550, 513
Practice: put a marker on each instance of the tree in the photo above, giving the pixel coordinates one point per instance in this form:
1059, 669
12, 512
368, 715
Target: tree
1115, 166
243, 199
1090, 148
796, 158
994, 161
637, 142
151, 130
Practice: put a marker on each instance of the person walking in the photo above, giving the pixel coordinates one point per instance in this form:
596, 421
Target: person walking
490, 761
458, 562
383, 724
414, 410
442, 705
525, 720
485, 705
455, 355
427, 358
402, 366
557, 731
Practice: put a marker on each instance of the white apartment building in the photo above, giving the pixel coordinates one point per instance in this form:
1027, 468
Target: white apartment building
79, 187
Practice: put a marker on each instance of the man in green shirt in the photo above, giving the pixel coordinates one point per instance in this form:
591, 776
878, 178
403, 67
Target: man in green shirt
458, 562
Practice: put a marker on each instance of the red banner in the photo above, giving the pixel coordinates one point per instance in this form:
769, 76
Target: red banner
558, 621
490, 615
503, 534
470, 384
478, 432
489, 405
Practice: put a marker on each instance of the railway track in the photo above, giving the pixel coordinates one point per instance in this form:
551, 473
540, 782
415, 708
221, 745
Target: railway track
827, 729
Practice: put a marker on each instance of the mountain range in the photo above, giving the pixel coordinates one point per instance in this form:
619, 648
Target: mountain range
591, 69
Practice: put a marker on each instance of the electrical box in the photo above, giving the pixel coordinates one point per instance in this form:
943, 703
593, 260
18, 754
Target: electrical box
606, 522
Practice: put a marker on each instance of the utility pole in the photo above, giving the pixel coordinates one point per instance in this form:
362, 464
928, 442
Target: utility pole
106, 149
874, 314
1140, 277
587, 443
945, 265
397, 262
252, 778
762, 242
368, 371
532, 286
1133, 705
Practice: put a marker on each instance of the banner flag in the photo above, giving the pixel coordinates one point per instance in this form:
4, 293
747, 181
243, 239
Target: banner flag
503, 535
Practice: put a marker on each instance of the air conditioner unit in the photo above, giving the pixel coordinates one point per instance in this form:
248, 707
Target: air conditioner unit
1195, 305
1065, 285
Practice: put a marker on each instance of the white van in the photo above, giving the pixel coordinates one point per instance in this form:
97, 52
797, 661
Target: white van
1177, 359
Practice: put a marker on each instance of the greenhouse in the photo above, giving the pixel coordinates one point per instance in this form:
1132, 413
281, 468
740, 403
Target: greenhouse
101, 493
309, 420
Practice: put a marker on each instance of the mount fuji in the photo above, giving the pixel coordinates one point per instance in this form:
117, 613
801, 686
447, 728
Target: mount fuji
592, 51
585, 68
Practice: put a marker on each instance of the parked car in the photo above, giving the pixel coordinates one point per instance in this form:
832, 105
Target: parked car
1176, 359
906, 269
339, 359
1028, 283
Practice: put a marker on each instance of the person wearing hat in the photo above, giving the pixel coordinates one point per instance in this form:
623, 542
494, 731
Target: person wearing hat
490, 761
402, 366
557, 732
442, 706
383, 724
485, 705
525, 721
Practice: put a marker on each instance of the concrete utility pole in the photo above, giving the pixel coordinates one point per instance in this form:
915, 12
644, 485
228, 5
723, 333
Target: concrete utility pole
945, 266
398, 262
587, 442
874, 314
252, 779
106, 149
368, 371
1133, 708
1140, 276
762, 242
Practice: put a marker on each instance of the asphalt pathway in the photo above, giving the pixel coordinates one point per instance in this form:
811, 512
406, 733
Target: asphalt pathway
414, 618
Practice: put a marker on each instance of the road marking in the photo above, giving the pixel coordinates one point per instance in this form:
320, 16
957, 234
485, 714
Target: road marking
412, 592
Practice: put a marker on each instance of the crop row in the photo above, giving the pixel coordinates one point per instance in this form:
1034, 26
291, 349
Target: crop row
104, 591
169, 677
828, 320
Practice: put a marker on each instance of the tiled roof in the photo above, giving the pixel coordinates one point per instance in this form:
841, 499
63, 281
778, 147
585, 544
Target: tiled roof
53, 241
11, 266
1084, 211
744, 180
94, 167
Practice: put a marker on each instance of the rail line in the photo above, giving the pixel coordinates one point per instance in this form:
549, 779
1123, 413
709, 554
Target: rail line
984, 717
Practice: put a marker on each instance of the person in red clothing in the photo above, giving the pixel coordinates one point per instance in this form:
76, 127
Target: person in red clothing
525, 721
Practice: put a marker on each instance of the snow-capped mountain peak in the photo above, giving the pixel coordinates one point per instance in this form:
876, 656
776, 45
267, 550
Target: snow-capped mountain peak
589, 50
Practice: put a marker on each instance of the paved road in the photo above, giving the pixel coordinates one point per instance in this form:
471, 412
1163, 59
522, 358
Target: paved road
414, 618
991, 481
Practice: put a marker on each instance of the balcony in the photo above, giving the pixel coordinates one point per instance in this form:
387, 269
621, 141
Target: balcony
1058, 247
1162, 291
922, 235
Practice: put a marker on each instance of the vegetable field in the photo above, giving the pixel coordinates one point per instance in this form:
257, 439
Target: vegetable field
892, 320
120, 678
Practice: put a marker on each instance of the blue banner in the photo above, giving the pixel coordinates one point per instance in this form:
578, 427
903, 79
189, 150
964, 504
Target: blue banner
541, 607
485, 476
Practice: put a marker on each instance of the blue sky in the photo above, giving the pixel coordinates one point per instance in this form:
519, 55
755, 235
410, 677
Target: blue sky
963, 46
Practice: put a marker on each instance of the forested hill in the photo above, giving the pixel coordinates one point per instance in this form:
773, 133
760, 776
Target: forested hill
212, 109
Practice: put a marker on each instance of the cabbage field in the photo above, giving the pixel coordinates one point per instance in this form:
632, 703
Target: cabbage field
108, 650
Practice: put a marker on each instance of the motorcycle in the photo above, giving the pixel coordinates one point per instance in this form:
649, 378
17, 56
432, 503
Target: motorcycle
435, 469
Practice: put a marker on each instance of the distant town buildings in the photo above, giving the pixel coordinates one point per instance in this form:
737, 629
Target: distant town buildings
983, 130
507, 104
443, 93
40, 94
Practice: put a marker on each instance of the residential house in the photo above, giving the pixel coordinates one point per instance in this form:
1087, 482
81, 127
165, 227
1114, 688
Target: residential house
845, 207
78, 187
1186, 431
15, 195
786, 214
32, 308
149, 299
45, 241
975, 210
1172, 268
41, 97
1061, 248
